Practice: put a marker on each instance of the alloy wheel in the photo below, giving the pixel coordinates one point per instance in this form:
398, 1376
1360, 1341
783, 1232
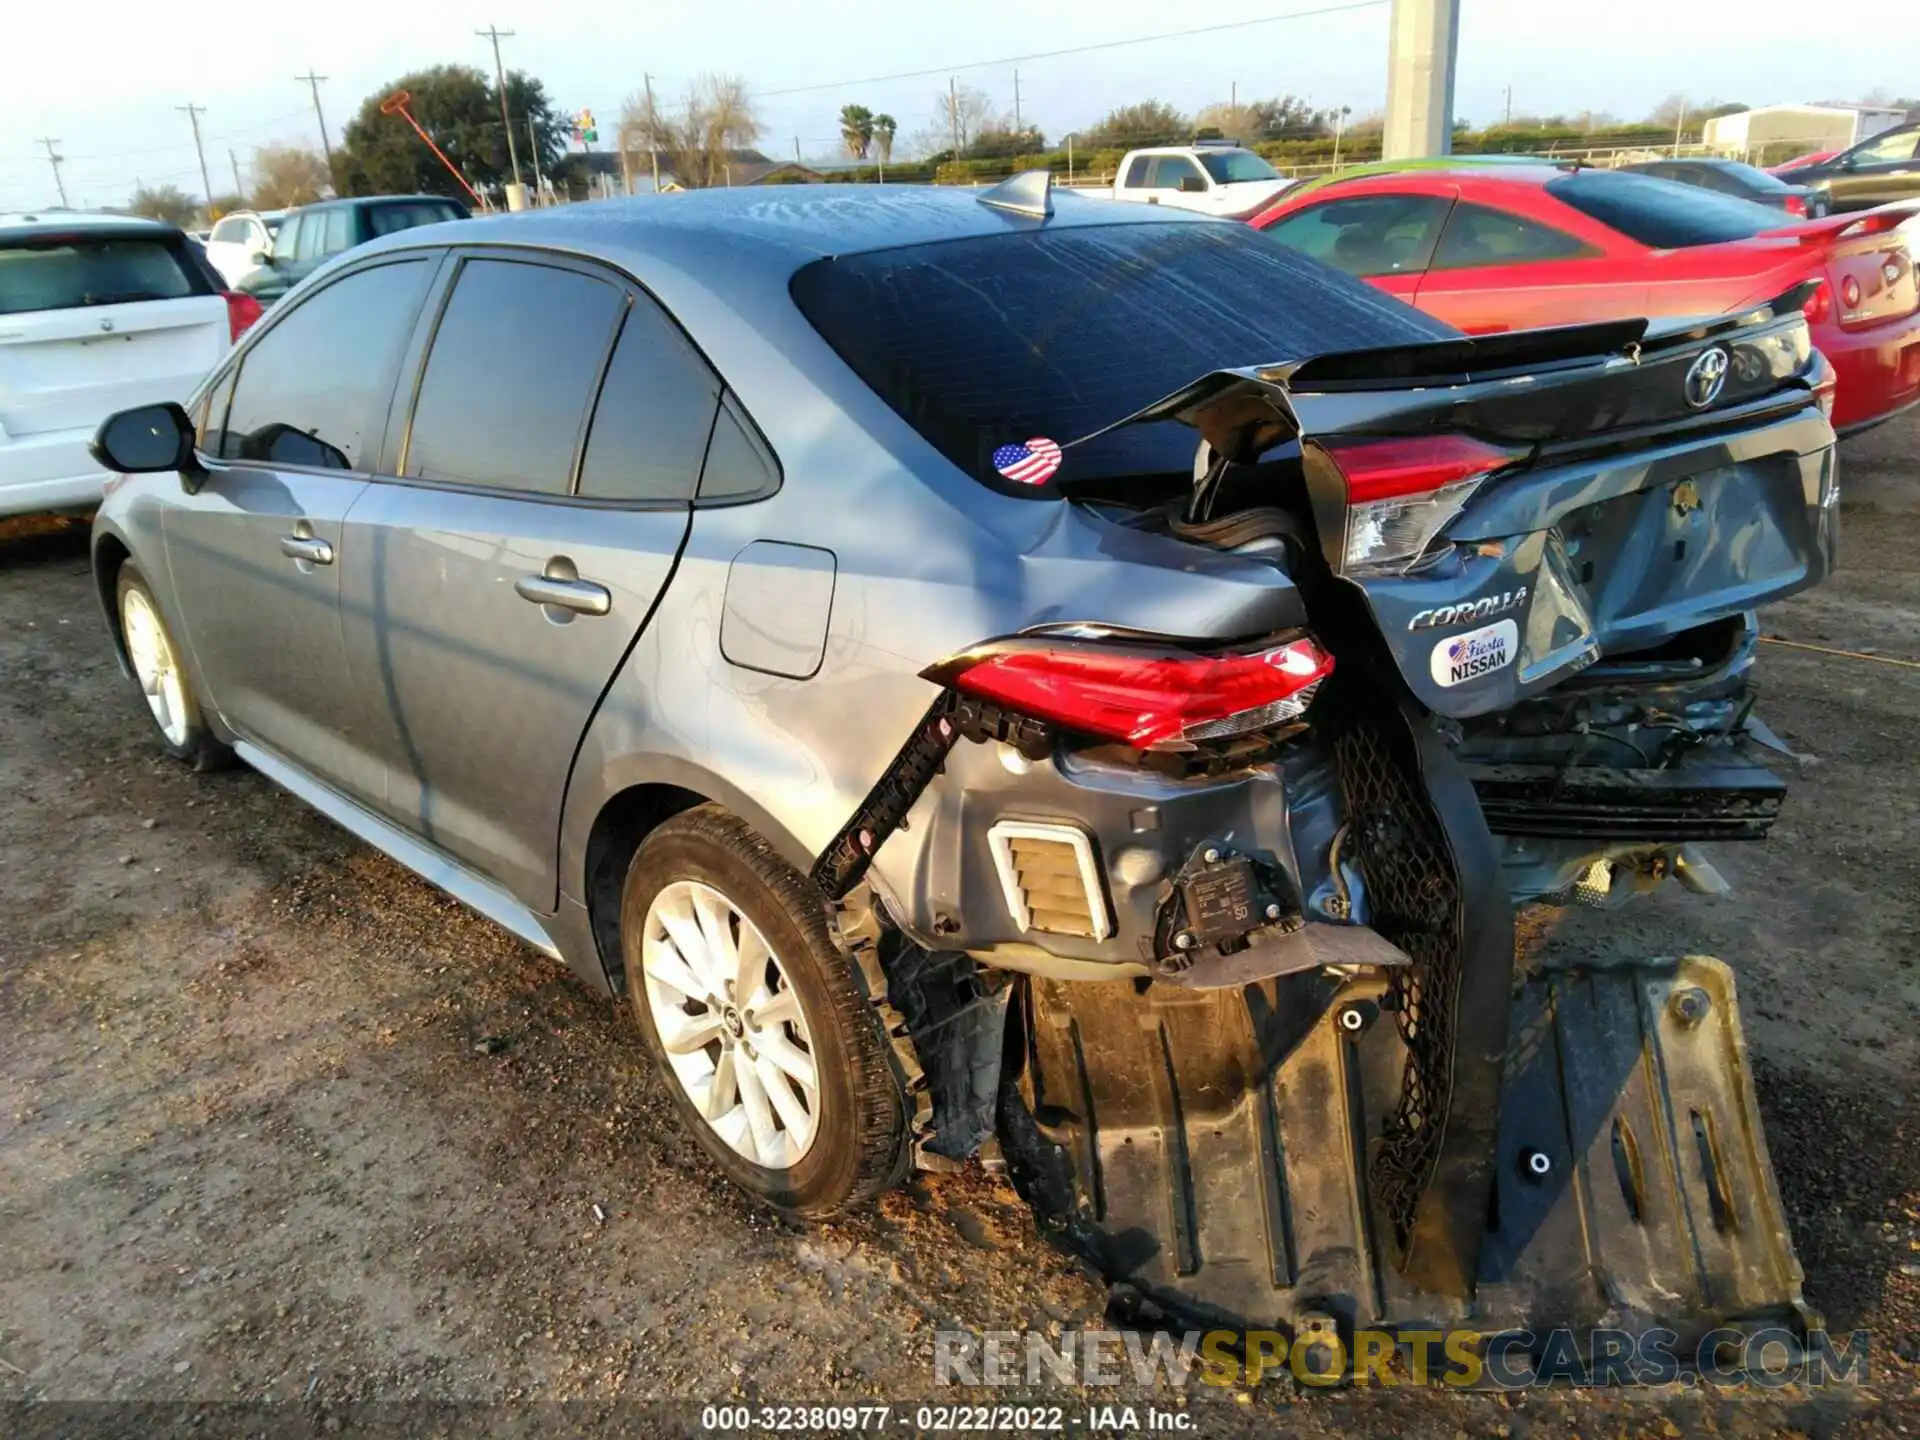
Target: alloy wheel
731, 1024
154, 665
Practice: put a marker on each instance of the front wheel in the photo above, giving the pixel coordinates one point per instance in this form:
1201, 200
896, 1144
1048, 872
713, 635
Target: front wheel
155, 662
774, 1057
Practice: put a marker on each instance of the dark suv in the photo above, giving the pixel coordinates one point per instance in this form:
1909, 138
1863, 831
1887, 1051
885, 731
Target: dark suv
314, 234
1882, 168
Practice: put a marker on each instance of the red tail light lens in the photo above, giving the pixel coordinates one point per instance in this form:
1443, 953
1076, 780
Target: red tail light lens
1401, 493
1819, 306
242, 311
1849, 294
1795, 205
1149, 700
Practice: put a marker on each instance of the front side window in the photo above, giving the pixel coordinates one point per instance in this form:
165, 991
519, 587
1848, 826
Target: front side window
1895, 145
314, 389
515, 364
654, 415
1170, 170
1367, 234
1481, 235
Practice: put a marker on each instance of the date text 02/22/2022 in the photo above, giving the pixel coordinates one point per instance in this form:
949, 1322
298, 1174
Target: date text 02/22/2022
944, 1419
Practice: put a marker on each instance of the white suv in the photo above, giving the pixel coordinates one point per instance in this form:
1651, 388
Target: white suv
97, 313
1215, 178
242, 243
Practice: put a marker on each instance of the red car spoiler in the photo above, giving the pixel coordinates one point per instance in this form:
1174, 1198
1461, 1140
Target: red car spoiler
1846, 227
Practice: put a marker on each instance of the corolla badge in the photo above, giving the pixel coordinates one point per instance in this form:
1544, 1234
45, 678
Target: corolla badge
1706, 378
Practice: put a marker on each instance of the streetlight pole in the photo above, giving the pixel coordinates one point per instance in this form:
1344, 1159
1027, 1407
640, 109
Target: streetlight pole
496, 35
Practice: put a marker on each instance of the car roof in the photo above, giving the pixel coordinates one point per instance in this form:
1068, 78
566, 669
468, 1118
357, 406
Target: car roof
23, 224
1534, 168
339, 201
710, 229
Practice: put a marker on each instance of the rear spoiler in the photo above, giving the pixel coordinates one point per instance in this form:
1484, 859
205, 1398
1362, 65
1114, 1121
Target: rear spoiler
1828, 228
1250, 408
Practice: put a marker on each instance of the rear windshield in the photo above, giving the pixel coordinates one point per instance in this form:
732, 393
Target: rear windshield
1055, 333
1229, 166
1662, 214
386, 219
66, 271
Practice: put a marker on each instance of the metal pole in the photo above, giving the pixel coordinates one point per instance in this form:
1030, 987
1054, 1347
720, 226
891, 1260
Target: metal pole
496, 35
1069, 157
953, 115
533, 145
1679, 126
1017, 126
312, 82
194, 112
238, 188
54, 158
653, 150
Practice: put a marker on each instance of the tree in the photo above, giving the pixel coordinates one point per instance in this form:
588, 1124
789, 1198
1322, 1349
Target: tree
696, 143
1671, 111
998, 140
1150, 122
225, 205
165, 202
459, 106
960, 113
884, 126
287, 175
856, 129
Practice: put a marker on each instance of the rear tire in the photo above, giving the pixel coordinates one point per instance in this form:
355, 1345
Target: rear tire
154, 660
743, 996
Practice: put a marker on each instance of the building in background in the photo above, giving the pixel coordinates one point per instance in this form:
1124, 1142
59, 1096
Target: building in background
1784, 129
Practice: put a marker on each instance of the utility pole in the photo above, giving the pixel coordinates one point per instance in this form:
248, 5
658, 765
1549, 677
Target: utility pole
496, 35
953, 115
533, 147
796, 149
55, 158
653, 150
1017, 126
1233, 96
312, 82
238, 188
1509, 114
1680, 126
193, 113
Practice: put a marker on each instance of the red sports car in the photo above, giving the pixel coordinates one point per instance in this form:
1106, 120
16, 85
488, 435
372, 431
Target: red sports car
1519, 246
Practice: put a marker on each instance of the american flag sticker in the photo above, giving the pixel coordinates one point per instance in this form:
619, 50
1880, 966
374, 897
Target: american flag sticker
1030, 464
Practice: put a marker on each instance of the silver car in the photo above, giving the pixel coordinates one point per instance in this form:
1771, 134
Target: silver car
842, 621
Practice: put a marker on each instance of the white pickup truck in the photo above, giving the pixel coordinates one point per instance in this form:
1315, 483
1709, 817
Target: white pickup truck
1215, 178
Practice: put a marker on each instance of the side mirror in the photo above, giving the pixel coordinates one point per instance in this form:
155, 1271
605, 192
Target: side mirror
1193, 185
146, 440
259, 257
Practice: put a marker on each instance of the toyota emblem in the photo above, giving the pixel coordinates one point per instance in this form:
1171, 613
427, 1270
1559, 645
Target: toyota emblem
1706, 378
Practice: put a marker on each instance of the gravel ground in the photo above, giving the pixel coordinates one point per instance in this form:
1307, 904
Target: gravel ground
287, 1139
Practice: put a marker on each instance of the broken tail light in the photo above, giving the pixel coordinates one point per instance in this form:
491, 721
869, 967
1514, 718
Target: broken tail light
1401, 493
1151, 699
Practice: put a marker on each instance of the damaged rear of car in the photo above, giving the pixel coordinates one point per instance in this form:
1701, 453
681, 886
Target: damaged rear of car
1264, 1058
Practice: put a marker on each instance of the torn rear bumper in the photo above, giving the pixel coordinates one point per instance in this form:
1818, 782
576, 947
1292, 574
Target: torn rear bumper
1208, 1150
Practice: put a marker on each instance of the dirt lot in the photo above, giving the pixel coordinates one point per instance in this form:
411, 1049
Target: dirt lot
283, 1132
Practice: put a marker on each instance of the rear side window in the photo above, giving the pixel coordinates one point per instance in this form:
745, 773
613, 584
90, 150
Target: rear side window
230, 231
515, 364
314, 389
1367, 234
339, 231
1137, 173
1894, 145
1661, 214
64, 271
387, 219
1056, 333
1170, 170
654, 415
1481, 235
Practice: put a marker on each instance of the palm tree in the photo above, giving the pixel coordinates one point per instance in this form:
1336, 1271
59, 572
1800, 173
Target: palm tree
883, 128
856, 129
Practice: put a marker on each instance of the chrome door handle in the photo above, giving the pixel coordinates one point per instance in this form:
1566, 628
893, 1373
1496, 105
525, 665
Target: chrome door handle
305, 547
582, 595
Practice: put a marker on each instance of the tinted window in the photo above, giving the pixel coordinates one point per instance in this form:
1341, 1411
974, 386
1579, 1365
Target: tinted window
1230, 166
339, 231
1057, 333
1170, 170
1137, 173
386, 219
314, 389
1661, 214
1477, 235
738, 465
515, 363
62, 271
1368, 234
286, 240
273, 226
230, 231
1894, 145
655, 412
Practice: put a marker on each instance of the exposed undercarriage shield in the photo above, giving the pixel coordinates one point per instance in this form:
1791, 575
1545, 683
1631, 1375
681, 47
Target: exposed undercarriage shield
1208, 1150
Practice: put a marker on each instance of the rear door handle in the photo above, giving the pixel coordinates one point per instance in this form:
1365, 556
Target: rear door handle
582, 595
305, 547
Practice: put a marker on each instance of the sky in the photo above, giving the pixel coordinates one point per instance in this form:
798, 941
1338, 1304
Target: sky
106, 80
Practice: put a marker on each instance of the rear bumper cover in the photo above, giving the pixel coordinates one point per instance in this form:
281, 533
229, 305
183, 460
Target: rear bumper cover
1877, 370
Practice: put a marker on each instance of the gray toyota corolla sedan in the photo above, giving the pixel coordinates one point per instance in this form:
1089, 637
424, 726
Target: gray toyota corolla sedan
886, 635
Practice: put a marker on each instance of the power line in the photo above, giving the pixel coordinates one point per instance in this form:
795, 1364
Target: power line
1075, 49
